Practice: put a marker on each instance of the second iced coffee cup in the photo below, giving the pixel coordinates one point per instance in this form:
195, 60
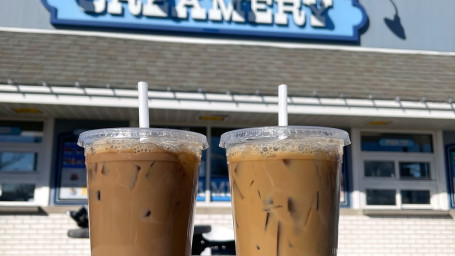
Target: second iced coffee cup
285, 189
142, 188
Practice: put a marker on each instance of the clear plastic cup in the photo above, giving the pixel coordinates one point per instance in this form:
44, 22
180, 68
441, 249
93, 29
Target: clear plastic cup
141, 190
285, 189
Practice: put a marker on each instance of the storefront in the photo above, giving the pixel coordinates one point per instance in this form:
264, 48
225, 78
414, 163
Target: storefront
372, 68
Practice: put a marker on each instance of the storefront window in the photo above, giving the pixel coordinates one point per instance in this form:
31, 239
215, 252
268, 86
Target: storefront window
381, 197
18, 161
392, 162
414, 170
21, 146
391, 142
415, 196
21, 132
17, 192
379, 169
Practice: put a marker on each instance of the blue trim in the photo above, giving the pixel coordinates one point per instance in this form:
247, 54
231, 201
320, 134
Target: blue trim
363, 22
55, 190
449, 173
346, 168
353, 38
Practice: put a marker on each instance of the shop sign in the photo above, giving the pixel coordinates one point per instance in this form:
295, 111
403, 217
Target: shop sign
310, 19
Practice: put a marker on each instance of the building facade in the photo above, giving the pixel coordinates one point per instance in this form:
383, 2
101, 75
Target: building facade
382, 70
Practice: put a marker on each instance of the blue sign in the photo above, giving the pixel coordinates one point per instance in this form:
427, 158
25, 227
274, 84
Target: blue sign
201, 189
219, 187
310, 19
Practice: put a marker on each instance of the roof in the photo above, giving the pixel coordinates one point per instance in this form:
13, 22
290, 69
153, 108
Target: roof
95, 61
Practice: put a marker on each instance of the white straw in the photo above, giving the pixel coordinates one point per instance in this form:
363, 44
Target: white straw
142, 88
283, 105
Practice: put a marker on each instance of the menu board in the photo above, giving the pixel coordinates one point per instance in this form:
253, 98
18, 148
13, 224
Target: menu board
71, 177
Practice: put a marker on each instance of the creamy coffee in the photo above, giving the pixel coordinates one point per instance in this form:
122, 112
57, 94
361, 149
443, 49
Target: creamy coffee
141, 196
285, 195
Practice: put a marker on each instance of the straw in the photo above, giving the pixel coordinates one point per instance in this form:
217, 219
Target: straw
282, 105
142, 88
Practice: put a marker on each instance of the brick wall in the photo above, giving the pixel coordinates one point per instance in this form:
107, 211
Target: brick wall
358, 236
403, 236
40, 235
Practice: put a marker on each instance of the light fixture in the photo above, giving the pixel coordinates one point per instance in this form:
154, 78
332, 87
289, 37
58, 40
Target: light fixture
10, 81
77, 84
379, 122
44, 83
27, 110
217, 118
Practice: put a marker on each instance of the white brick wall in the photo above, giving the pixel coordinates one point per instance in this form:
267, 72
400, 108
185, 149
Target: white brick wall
40, 235
401, 236
358, 235
214, 216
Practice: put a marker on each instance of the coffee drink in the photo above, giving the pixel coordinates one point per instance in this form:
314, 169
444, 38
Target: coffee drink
285, 196
141, 197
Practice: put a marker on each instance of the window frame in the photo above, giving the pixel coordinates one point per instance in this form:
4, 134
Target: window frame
41, 176
435, 185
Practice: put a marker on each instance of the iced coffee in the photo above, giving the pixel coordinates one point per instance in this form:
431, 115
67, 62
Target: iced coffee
142, 189
285, 189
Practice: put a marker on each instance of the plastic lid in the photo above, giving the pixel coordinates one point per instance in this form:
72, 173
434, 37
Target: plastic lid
151, 134
280, 133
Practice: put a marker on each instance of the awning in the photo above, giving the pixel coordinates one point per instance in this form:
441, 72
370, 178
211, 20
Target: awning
236, 109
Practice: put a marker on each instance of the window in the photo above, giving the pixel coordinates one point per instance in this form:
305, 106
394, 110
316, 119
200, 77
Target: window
21, 146
17, 192
392, 142
18, 161
415, 197
414, 170
379, 169
381, 197
397, 170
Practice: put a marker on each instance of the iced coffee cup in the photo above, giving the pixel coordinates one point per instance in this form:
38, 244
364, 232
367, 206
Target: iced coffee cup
141, 190
285, 189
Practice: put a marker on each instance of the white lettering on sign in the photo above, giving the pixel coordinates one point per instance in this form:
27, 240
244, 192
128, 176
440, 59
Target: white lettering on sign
156, 8
233, 11
197, 12
200, 190
261, 10
222, 190
134, 6
289, 6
